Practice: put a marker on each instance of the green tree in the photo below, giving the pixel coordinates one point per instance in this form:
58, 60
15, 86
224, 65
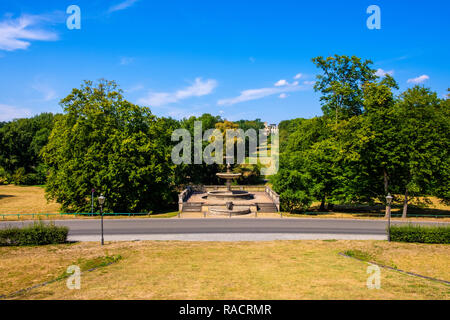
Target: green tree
292, 185
107, 143
198, 173
21, 141
285, 129
341, 84
424, 132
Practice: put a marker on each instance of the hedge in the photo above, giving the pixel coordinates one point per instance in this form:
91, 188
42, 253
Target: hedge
36, 234
421, 234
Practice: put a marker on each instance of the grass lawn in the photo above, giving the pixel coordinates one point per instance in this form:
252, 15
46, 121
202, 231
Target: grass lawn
31, 200
25, 199
223, 270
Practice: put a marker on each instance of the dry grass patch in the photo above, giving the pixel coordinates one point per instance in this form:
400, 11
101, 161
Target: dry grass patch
25, 199
224, 270
424, 259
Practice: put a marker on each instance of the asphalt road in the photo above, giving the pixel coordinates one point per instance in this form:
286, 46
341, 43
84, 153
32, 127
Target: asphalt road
222, 229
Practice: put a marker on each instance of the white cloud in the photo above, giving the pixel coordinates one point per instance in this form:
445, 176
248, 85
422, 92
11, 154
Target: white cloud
281, 83
17, 33
126, 61
122, 6
197, 89
47, 92
418, 80
135, 88
283, 96
298, 76
381, 73
309, 83
8, 113
254, 94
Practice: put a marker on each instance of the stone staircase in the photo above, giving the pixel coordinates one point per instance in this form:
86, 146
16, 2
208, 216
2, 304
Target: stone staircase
192, 207
267, 207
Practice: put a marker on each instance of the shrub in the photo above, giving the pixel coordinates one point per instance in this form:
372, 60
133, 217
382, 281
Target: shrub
295, 201
4, 177
36, 234
415, 233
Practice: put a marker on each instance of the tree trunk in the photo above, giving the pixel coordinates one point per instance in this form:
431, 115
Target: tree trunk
386, 190
322, 204
405, 204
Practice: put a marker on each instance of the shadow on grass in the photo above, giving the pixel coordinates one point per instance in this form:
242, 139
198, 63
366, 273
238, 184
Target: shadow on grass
377, 211
6, 196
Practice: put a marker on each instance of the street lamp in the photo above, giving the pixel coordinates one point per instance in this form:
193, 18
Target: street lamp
388, 202
101, 201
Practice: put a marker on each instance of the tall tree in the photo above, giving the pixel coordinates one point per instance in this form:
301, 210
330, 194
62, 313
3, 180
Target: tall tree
424, 131
109, 144
341, 84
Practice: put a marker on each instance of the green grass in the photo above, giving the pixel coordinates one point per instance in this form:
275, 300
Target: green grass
358, 254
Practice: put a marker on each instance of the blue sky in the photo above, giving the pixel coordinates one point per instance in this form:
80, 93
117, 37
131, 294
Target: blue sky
240, 59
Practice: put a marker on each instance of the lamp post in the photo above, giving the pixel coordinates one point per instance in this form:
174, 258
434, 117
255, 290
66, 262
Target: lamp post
388, 202
101, 201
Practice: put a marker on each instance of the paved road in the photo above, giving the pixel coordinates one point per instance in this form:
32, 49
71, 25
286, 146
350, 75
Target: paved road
222, 229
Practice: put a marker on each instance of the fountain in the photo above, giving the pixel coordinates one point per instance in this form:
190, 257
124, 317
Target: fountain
229, 196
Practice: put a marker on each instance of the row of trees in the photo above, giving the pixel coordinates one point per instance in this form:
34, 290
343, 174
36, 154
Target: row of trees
369, 142
106, 143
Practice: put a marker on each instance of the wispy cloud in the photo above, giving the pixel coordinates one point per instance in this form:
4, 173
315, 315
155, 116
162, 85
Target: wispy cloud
283, 96
418, 80
255, 94
8, 113
135, 88
124, 61
381, 73
122, 5
18, 33
197, 89
298, 76
48, 92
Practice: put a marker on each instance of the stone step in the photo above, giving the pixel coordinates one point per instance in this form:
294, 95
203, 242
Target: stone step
267, 207
192, 207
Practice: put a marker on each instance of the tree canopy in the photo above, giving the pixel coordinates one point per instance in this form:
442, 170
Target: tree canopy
109, 144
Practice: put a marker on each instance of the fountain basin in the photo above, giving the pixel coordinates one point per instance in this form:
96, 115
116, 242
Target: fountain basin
227, 175
229, 195
237, 210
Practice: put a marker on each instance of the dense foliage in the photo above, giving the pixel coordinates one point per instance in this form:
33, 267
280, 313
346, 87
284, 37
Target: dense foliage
109, 144
21, 142
421, 234
368, 142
